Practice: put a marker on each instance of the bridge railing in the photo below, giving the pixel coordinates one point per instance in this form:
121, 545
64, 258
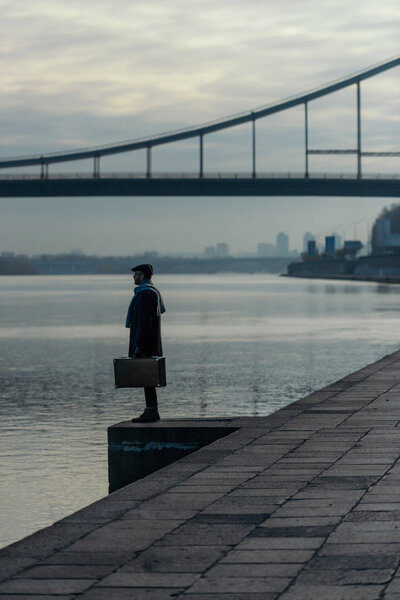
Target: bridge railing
193, 175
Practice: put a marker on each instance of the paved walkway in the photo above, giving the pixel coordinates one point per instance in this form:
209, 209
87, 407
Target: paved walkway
301, 505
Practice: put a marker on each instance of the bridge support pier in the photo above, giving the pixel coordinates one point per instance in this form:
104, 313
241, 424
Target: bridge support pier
44, 170
254, 148
201, 171
148, 162
359, 170
306, 174
96, 166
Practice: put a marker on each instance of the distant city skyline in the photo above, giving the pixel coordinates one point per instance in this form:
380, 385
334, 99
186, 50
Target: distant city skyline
280, 247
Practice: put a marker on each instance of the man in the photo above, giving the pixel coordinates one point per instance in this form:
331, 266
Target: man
144, 321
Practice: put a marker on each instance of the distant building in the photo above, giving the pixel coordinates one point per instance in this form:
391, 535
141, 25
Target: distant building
7, 255
222, 250
308, 236
330, 245
384, 239
338, 241
210, 252
265, 250
311, 248
352, 246
282, 244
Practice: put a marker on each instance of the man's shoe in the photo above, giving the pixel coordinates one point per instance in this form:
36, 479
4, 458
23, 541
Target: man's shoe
150, 415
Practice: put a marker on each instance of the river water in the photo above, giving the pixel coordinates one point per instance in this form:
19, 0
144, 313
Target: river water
235, 345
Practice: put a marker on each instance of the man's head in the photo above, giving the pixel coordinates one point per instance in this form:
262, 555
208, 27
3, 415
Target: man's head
141, 272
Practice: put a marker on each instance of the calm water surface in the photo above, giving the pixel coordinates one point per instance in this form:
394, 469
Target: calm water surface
235, 345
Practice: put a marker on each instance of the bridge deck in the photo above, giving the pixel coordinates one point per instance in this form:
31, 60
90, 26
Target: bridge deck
302, 504
192, 186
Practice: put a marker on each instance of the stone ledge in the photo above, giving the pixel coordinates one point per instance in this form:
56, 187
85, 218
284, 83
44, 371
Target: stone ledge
295, 477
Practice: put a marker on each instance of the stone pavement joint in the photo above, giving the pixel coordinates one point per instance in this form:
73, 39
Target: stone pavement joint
299, 505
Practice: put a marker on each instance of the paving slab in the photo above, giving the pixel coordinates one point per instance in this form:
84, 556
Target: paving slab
125, 593
327, 592
249, 585
298, 505
233, 596
176, 559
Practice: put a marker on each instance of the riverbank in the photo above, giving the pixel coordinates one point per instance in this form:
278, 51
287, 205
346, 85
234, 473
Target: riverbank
342, 277
374, 267
298, 504
112, 265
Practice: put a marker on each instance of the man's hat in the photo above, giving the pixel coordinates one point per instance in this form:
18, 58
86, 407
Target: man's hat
147, 270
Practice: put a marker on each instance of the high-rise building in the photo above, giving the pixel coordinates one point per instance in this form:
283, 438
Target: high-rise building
307, 237
222, 250
265, 250
338, 240
330, 245
282, 244
311, 248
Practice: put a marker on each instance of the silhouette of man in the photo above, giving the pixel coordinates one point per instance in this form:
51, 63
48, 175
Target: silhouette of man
144, 321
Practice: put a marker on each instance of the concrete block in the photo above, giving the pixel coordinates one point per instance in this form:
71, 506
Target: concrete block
378, 506
368, 537
205, 534
255, 518
148, 514
67, 572
124, 593
126, 579
344, 482
67, 557
11, 565
274, 543
350, 592
36, 597
300, 511
301, 521
248, 585
303, 532
373, 515
126, 540
48, 540
242, 504
100, 512
45, 586
176, 559
184, 501
358, 549
268, 556
393, 588
257, 570
343, 577
354, 561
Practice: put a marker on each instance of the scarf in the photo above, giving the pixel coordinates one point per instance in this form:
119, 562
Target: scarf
146, 285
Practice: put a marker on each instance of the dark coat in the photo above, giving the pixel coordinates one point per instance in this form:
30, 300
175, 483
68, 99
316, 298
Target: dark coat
145, 326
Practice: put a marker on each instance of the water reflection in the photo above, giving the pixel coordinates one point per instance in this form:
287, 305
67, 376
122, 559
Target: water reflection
234, 346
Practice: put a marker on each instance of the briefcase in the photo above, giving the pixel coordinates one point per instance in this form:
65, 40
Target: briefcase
139, 372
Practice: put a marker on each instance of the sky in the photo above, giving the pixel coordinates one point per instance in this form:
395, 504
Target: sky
80, 74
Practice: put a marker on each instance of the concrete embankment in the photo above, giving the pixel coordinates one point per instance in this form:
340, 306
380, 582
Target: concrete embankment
343, 277
302, 504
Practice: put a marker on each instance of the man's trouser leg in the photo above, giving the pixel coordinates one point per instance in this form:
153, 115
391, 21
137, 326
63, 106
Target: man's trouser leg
150, 395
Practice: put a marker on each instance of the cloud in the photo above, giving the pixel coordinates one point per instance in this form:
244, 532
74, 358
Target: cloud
209, 57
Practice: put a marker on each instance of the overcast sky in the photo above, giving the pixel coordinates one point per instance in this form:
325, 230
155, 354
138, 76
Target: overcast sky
77, 74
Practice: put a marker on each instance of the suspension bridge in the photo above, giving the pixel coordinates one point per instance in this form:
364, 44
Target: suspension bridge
204, 183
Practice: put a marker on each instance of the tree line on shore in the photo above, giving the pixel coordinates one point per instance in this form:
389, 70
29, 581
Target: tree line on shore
59, 264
